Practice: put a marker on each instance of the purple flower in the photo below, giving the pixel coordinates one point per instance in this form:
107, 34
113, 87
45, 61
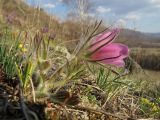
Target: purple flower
45, 30
103, 50
11, 17
52, 36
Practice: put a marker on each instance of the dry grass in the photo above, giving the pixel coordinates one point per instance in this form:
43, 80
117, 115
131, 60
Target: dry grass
148, 58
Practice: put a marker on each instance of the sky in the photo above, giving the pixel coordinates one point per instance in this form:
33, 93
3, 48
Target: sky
141, 15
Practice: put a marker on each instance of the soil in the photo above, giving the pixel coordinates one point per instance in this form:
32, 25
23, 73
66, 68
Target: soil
10, 104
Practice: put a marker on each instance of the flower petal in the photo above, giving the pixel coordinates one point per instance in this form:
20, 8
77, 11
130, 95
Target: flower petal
103, 39
113, 54
110, 51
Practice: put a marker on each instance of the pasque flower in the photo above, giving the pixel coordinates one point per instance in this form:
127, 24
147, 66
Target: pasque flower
103, 50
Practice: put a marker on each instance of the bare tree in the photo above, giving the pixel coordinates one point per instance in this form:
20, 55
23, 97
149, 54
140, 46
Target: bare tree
79, 9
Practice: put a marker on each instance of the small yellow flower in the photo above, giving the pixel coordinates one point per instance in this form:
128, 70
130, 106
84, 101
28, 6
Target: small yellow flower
20, 46
145, 101
155, 108
24, 50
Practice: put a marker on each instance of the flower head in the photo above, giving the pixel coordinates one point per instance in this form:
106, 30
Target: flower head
24, 50
11, 17
103, 50
20, 46
52, 36
45, 30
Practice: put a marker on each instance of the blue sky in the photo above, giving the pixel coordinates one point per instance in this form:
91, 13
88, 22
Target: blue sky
142, 15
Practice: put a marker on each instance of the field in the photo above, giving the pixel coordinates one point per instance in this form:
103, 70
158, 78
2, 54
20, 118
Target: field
148, 59
154, 75
73, 70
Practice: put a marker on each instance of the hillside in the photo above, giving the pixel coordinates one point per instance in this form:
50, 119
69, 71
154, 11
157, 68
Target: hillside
25, 16
139, 39
155, 35
18, 15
